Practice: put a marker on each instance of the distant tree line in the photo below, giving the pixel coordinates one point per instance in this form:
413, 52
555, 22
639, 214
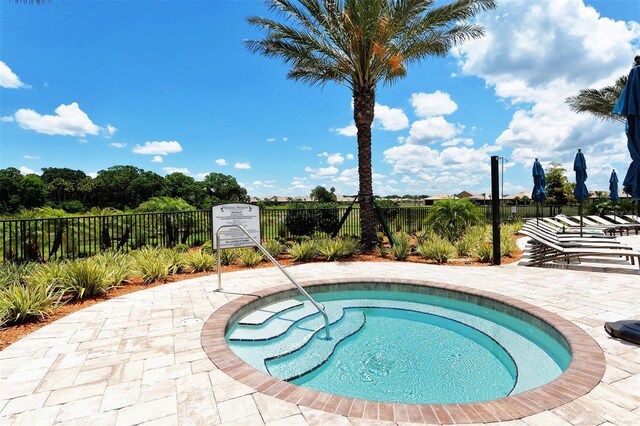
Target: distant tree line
119, 187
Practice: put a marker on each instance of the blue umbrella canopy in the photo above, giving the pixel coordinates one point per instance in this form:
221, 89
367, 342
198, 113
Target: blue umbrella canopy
629, 105
580, 167
539, 183
613, 186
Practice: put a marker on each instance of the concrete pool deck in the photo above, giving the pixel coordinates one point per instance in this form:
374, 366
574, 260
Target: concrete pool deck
129, 360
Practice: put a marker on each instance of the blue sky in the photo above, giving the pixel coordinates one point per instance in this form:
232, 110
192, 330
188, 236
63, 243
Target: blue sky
169, 86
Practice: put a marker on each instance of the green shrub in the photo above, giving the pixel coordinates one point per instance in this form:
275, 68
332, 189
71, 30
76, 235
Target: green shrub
507, 245
21, 303
484, 251
273, 247
207, 247
249, 257
450, 218
338, 248
303, 251
198, 262
86, 278
117, 264
438, 249
402, 247
181, 248
163, 204
72, 206
472, 238
228, 256
49, 274
155, 264
13, 273
306, 218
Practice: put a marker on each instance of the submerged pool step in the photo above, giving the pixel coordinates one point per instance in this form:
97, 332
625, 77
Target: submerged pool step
256, 351
317, 350
261, 316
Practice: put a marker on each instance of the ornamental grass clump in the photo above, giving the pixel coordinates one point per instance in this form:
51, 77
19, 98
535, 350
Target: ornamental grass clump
484, 251
198, 262
338, 248
228, 256
117, 264
437, 248
472, 238
86, 278
401, 248
155, 264
273, 247
49, 274
303, 251
507, 245
20, 303
14, 273
249, 257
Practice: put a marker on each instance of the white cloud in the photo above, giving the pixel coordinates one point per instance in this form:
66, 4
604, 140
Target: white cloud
263, 183
221, 162
158, 148
200, 176
83, 140
8, 79
350, 130
157, 159
118, 145
322, 172
182, 170
535, 54
335, 159
271, 139
7, 119
305, 148
110, 130
349, 156
92, 175
459, 141
431, 104
242, 166
26, 171
390, 118
69, 120
431, 129
31, 157
285, 139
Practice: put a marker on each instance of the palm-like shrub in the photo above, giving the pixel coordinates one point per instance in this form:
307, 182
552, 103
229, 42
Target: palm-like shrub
86, 278
117, 264
198, 262
20, 303
402, 246
249, 257
437, 248
228, 256
155, 264
303, 251
49, 274
507, 245
273, 247
338, 248
15, 273
163, 204
472, 238
484, 251
450, 218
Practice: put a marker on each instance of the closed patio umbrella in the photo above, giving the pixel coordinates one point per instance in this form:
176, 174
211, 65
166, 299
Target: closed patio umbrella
629, 105
613, 189
539, 184
580, 191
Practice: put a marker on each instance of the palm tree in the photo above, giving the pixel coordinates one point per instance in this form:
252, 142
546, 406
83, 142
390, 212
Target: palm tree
599, 102
358, 44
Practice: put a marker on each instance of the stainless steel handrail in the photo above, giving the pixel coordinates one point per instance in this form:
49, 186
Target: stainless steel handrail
318, 306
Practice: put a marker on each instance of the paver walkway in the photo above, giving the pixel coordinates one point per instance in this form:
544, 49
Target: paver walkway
129, 360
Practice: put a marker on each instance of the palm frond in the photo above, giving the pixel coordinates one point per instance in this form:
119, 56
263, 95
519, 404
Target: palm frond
599, 102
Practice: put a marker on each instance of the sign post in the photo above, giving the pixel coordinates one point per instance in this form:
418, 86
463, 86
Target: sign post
245, 215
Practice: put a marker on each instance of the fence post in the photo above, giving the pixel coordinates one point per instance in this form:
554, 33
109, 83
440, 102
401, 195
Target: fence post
495, 207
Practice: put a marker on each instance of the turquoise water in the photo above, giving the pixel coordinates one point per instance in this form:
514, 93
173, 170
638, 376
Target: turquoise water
402, 347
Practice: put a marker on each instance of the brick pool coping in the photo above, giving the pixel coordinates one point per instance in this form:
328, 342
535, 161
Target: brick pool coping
583, 374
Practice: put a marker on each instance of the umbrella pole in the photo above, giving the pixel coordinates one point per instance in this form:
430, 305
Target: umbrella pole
580, 213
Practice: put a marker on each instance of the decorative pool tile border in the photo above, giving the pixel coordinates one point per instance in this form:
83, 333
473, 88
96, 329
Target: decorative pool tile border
583, 374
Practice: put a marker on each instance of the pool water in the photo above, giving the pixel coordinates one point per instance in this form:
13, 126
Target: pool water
400, 347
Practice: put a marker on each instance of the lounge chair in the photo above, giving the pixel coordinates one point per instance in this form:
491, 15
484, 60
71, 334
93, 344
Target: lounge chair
563, 228
570, 233
612, 228
621, 221
621, 227
574, 241
549, 251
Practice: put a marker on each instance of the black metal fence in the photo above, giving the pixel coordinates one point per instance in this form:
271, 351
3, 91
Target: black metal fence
81, 236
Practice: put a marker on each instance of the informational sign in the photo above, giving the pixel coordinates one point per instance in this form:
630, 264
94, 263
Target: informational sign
514, 210
245, 215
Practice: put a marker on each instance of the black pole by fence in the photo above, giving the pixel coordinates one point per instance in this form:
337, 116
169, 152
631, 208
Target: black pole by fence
495, 209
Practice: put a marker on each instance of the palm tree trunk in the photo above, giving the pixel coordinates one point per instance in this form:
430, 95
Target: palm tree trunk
363, 104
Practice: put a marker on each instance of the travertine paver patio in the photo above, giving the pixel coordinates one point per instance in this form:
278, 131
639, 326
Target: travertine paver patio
129, 361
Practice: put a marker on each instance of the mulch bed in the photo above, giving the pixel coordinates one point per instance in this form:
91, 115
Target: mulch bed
12, 334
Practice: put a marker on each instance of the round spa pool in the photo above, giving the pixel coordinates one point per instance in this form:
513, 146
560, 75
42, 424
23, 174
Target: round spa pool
401, 343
